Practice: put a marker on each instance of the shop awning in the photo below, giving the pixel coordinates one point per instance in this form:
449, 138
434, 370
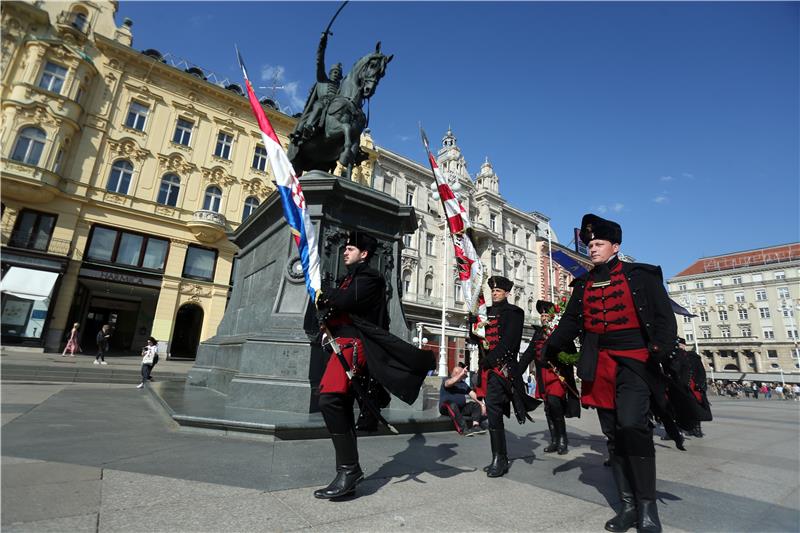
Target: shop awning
28, 284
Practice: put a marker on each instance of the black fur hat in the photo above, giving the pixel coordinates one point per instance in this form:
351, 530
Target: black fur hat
544, 307
363, 241
594, 227
499, 282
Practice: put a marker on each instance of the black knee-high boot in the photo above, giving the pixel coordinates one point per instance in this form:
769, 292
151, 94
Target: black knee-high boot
348, 471
499, 464
643, 470
553, 446
626, 517
563, 442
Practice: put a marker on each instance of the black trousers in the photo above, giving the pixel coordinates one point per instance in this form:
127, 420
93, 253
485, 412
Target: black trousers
337, 411
626, 427
497, 401
146, 369
555, 407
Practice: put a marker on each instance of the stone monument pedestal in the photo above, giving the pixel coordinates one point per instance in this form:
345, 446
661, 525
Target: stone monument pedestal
262, 356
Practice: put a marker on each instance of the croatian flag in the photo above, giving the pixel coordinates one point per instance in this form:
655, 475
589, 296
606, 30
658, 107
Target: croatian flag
294, 203
470, 268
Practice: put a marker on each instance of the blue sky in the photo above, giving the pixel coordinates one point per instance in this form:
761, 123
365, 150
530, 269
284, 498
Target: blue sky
678, 120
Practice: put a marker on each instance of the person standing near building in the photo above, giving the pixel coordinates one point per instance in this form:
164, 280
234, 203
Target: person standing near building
72, 342
102, 344
356, 314
501, 374
624, 319
149, 354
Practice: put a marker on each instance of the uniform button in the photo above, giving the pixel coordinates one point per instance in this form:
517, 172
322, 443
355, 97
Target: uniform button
648, 324
605, 323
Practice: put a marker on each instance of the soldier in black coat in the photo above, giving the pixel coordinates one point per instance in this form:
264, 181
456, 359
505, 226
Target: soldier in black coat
501, 378
624, 319
356, 314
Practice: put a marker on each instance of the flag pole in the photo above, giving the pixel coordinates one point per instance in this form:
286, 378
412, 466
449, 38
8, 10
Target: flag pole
550, 262
443, 340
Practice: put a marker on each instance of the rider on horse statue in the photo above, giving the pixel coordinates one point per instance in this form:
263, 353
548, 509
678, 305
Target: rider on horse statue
326, 88
329, 130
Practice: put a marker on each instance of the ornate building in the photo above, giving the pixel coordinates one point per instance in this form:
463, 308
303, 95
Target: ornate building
746, 306
509, 241
122, 174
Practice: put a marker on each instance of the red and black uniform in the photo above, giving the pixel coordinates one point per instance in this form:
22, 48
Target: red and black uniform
501, 379
688, 390
623, 317
356, 314
553, 391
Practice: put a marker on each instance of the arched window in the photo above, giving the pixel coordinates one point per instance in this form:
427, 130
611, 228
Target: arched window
29, 146
79, 20
213, 198
170, 187
406, 281
120, 178
250, 205
429, 286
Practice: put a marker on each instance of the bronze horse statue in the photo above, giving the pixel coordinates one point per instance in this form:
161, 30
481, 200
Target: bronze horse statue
344, 120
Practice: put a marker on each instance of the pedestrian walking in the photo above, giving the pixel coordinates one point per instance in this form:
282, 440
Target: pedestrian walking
72, 342
149, 355
102, 344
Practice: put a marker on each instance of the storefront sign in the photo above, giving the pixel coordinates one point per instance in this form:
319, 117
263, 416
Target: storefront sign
120, 277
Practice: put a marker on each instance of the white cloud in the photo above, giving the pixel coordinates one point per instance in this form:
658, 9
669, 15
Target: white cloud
603, 208
661, 199
404, 138
687, 175
666, 178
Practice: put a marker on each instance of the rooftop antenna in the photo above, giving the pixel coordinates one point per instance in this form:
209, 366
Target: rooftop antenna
274, 87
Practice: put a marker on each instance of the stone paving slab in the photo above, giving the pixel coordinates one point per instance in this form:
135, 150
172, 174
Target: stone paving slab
74, 524
105, 459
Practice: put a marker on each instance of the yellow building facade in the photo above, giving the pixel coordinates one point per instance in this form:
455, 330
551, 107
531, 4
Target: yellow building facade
121, 175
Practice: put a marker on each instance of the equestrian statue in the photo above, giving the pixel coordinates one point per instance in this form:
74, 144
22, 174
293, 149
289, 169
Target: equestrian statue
329, 130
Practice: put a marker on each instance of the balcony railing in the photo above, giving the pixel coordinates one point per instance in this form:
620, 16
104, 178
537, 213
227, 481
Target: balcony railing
74, 22
37, 243
205, 215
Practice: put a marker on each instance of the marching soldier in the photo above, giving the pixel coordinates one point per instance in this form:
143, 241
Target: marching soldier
688, 389
555, 384
356, 315
622, 314
501, 379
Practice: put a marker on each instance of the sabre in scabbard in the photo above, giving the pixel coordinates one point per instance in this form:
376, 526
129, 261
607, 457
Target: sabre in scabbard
563, 380
366, 401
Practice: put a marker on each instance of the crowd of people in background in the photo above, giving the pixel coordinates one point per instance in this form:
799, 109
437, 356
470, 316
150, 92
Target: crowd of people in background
756, 390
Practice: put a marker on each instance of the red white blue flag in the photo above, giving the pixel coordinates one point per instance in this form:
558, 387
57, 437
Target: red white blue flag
470, 268
294, 203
